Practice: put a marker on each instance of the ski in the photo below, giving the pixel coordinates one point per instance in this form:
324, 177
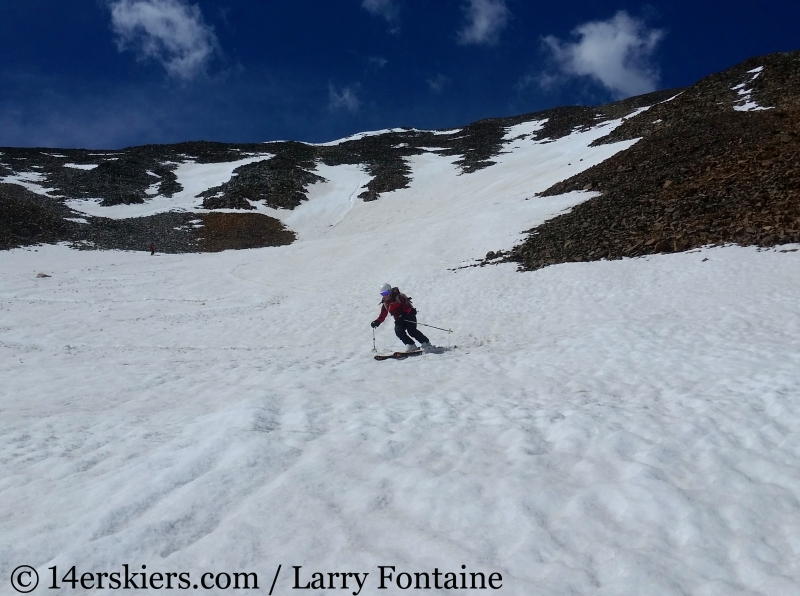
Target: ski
398, 355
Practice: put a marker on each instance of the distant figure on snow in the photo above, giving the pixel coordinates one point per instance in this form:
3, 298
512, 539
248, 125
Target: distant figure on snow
152, 249
399, 306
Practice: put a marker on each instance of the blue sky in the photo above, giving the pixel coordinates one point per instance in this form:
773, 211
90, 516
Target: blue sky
114, 73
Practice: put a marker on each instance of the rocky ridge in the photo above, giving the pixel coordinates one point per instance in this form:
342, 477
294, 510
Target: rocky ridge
718, 164
136, 174
28, 218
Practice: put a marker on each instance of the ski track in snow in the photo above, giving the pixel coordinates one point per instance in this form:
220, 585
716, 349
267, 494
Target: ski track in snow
617, 428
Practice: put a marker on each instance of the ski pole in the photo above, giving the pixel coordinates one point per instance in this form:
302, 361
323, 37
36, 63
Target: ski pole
432, 327
374, 349
426, 325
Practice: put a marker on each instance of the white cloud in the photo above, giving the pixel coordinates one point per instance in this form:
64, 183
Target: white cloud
342, 99
616, 53
378, 61
438, 83
382, 8
486, 18
171, 32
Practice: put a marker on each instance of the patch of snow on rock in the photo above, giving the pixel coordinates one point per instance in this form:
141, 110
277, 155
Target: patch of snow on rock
524, 129
31, 181
78, 166
745, 103
360, 135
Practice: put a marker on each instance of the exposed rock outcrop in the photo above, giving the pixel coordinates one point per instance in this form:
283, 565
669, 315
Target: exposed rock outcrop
703, 173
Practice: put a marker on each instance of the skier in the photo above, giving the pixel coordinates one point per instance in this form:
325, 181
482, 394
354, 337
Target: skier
152, 249
399, 306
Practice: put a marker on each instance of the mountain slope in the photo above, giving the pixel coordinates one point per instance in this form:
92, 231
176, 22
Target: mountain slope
616, 427
199, 177
718, 164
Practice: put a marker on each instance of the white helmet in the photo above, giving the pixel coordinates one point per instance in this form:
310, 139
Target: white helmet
386, 289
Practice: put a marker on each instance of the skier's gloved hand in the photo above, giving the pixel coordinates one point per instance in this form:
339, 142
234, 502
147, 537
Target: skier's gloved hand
374, 324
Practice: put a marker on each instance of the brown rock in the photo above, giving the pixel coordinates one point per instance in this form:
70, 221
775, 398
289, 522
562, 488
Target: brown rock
680, 245
662, 246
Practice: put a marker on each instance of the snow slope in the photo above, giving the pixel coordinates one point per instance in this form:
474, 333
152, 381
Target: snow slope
618, 428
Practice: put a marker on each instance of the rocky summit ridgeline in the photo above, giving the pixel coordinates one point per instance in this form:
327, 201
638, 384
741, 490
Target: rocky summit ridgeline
137, 174
716, 163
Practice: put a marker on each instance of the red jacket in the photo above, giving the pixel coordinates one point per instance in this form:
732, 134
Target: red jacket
395, 304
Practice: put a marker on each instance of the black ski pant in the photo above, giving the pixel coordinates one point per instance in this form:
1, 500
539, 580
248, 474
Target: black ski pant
406, 325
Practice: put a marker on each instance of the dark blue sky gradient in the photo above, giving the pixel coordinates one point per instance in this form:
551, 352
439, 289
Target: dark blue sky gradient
63, 82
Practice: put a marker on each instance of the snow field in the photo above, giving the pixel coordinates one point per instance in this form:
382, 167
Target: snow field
616, 428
